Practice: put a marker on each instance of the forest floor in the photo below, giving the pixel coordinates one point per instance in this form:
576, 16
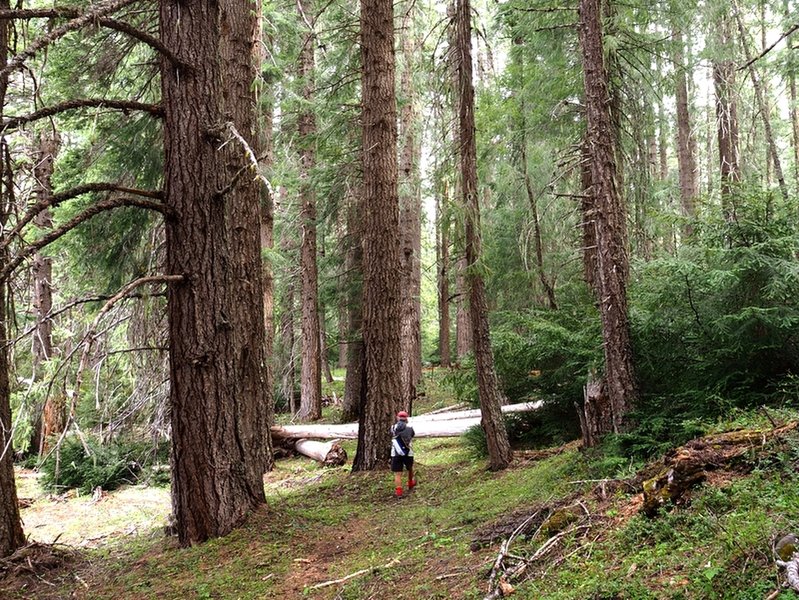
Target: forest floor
330, 534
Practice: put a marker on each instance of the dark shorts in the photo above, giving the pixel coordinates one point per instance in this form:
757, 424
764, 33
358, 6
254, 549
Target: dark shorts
397, 462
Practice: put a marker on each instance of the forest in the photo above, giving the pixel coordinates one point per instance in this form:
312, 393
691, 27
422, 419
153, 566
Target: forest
238, 238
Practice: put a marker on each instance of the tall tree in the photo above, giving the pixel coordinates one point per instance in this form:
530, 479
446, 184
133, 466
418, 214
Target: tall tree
310, 371
410, 216
609, 217
726, 114
686, 160
381, 261
499, 450
11, 535
220, 435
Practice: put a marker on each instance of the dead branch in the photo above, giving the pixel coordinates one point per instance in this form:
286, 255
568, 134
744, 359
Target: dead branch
252, 159
325, 584
86, 18
768, 49
123, 105
58, 232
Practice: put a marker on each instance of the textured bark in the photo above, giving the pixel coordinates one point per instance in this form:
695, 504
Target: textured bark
464, 342
793, 105
410, 219
323, 353
442, 274
499, 451
686, 160
220, 435
726, 120
596, 416
51, 416
382, 395
609, 218
11, 535
350, 410
762, 105
310, 370
588, 212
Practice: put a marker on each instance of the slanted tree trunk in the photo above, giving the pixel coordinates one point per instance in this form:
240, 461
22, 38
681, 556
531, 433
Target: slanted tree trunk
726, 119
410, 219
762, 104
499, 451
11, 535
609, 218
686, 160
220, 436
382, 395
310, 370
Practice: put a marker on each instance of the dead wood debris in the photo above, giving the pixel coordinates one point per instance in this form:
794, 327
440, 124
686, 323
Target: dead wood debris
34, 560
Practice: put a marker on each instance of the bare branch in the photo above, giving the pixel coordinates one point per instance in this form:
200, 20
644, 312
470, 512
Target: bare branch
768, 49
123, 105
87, 188
87, 214
248, 152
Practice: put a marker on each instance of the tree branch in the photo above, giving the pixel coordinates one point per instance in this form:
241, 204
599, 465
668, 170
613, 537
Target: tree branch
768, 49
123, 105
58, 232
56, 199
79, 19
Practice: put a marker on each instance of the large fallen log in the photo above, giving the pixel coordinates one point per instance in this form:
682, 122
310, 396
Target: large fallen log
331, 454
438, 425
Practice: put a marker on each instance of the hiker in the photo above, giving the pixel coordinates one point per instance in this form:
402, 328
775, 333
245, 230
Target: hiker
401, 452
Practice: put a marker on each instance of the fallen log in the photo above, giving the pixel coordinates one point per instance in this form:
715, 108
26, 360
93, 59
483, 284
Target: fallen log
331, 454
439, 425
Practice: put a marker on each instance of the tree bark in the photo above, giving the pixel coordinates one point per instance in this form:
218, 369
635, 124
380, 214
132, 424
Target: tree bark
794, 103
11, 535
382, 395
350, 410
499, 450
220, 436
310, 370
686, 160
727, 120
410, 219
464, 344
588, 226
442, 274
609, 218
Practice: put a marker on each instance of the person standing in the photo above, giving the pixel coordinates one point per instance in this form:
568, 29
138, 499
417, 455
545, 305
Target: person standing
401, 452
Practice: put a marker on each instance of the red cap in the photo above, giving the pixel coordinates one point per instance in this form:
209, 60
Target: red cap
402, 415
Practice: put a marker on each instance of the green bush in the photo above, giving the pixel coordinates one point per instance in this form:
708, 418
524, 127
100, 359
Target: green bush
109, 466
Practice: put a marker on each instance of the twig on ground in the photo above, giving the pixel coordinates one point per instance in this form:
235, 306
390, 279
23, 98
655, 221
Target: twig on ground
325, 584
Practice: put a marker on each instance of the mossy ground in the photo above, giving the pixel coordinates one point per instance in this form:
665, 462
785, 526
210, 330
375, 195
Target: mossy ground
324, 524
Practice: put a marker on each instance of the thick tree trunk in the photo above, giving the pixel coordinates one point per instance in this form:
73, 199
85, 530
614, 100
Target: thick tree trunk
686, 160
499, 451
609, 218
762, 104
310, 372
727, 120
588, 226
410, 219
442, 275
11, 535
381, 278
464, 344
794, 109
220, 435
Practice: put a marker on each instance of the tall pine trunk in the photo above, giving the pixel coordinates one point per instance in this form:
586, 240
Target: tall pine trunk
442, 274
310, 371
499, 451
410, 219
726, 119
381, 250
354, 268
686, 160
609, 217
11, 535
220, 435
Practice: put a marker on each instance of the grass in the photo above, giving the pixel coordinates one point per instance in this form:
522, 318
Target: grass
324, 524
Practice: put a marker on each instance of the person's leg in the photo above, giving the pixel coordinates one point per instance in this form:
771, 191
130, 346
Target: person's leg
411, 478
396, 467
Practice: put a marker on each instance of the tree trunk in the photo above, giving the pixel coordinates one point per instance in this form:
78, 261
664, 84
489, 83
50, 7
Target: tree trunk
762, 104
410, 220
793, 105
350, 410
609, 218
220, 435
686, 160
381, 261
50, 417
499, 451
464, 343
588, 226
11, 535
324, 360
310, 372
442, 274
727, 120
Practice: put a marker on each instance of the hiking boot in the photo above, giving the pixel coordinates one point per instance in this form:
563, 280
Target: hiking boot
411, 484
398, 492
